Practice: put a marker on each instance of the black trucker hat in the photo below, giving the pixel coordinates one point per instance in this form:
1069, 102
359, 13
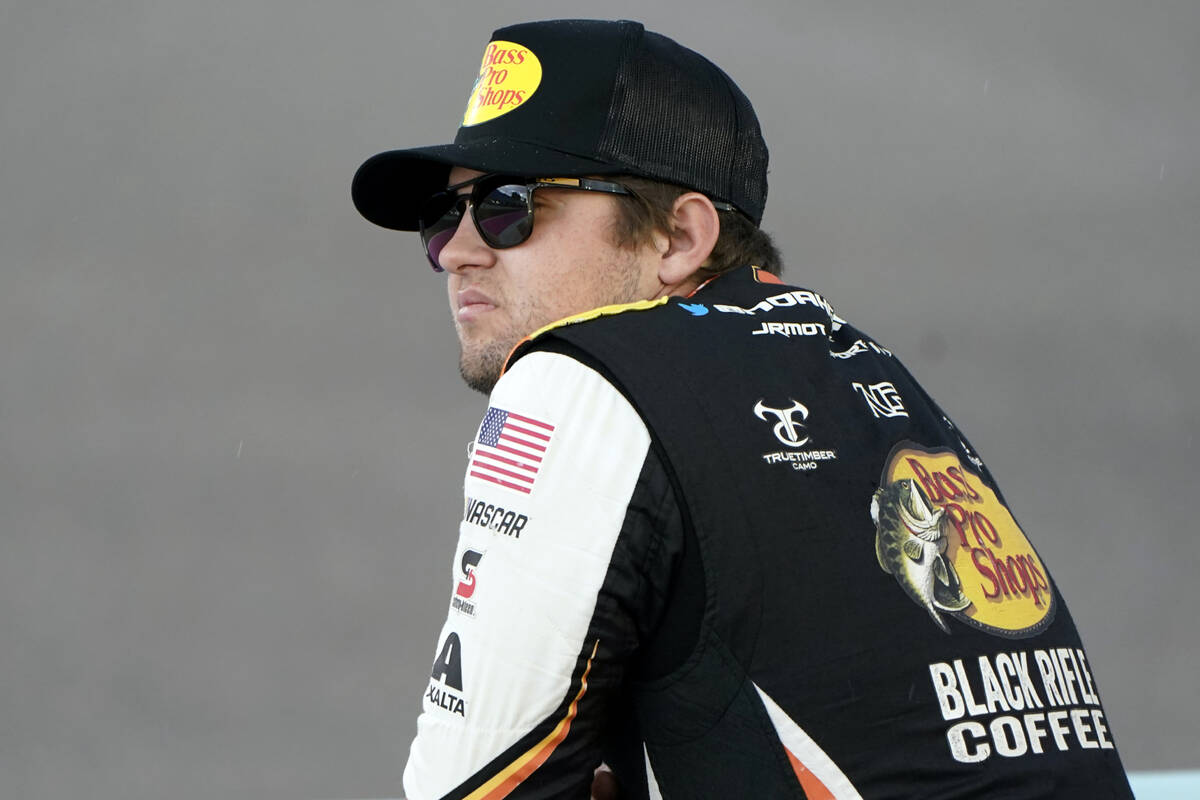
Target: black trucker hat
568, 98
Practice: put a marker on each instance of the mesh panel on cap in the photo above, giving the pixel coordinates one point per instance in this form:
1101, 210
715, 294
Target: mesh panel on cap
748, 170
676, 117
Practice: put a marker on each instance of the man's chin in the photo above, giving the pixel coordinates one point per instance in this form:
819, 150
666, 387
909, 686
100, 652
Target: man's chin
480, 383
480, 367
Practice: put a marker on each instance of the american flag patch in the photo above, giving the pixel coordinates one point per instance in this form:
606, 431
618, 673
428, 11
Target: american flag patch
509, 449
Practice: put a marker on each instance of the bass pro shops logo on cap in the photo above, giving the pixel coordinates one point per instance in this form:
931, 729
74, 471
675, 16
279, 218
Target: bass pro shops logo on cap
508, 76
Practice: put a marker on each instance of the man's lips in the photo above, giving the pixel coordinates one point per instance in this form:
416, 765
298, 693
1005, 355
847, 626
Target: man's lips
472, 303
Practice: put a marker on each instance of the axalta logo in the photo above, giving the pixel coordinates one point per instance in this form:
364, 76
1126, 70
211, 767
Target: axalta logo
508, 76
789, 428
446, 684
464, 588
796, 297
954, 548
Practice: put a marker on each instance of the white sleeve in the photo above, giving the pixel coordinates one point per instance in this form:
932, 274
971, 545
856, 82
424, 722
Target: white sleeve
548, 482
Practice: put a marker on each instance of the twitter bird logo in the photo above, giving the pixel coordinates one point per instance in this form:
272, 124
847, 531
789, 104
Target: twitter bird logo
695, 309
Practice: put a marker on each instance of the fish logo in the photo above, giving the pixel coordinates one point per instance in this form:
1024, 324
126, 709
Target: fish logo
910, 544
936, 519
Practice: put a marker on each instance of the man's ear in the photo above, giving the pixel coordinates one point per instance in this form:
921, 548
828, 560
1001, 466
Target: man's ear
695, 227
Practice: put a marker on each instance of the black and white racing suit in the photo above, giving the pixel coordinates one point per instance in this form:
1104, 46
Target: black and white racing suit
729, 546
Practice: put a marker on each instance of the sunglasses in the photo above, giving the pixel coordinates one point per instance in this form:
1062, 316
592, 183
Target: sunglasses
501, 208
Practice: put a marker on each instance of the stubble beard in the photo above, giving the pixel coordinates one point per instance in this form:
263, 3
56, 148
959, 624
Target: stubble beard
481, 363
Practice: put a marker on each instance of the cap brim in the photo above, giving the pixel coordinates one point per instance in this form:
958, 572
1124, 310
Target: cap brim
389, 187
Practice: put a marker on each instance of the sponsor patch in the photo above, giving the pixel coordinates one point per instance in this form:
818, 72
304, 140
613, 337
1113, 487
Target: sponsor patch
794, 298
495, 518
859, 347
954, 548
446, 684
1022, 703
790, 329
508, 76
788, 425
464, 587
882, 399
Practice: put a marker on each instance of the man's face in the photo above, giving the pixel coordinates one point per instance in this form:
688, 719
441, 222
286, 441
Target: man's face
569, 264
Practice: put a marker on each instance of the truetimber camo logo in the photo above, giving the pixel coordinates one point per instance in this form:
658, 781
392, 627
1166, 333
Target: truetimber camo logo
954, 548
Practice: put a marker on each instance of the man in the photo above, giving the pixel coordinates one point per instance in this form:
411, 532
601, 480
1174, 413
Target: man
713, 535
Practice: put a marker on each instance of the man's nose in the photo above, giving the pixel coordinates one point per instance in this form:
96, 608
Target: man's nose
466, 247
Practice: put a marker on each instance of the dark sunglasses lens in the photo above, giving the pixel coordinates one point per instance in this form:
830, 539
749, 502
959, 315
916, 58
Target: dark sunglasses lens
504, 216
440, 215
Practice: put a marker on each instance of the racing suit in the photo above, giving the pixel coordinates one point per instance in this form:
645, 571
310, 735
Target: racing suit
729, 546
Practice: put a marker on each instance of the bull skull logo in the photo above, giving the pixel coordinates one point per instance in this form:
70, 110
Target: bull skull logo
787, 429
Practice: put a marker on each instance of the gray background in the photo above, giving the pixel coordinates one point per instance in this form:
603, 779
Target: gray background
231, 426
